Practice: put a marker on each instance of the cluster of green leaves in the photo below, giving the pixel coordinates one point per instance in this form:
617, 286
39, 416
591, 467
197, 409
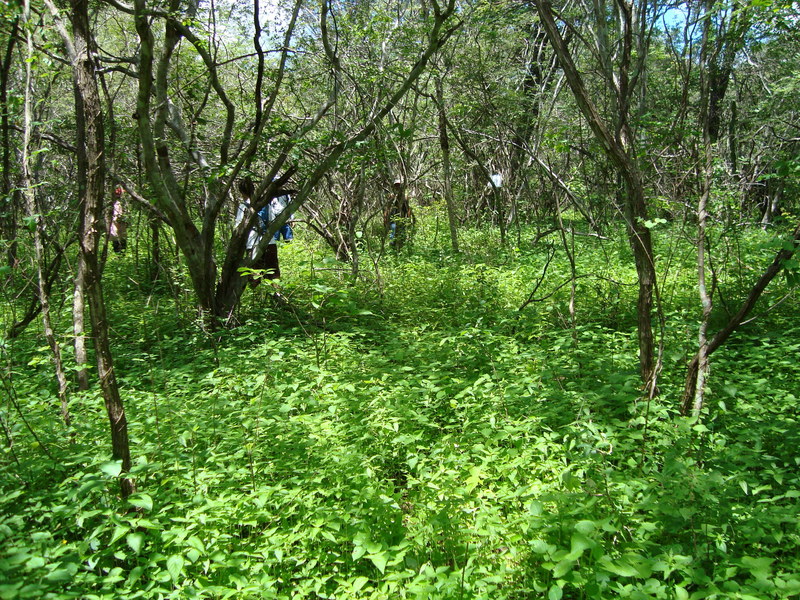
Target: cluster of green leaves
427, 441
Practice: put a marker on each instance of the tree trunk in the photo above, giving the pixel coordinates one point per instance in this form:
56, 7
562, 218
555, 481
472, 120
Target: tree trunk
7, 209
155, 248
38, 230
705, 297
91, 183
702, 365
79, 327
642, 245
444, 142
619, 150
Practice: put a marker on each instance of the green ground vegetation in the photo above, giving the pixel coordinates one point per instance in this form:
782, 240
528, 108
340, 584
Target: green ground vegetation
412, 434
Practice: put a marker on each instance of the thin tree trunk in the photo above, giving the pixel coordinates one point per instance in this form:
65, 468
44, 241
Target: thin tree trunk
444, 142
702, 218
775, 267
8, 222
705, 296
155, 248
91, 185
641, 242
91, 180
570, 252
38, 229
618, 149
79, 327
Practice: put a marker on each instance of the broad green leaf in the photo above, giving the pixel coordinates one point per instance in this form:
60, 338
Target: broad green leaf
585, 527
175, 566
119, 532
563, 567
535, 508
34, 563
540, 547
64, 574
620, 567
555, 593
359, 583
579, 543
358, 552
192, 554
143, 501
379, 560
112, 468
58, 575
760, 568
135, 541
135, 574
196, 543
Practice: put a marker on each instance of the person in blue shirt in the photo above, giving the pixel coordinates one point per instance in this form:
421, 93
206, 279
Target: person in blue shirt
275, 207
267, 264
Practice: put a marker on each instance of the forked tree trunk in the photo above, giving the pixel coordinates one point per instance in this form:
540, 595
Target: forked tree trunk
718, 50
775, 267
219, 297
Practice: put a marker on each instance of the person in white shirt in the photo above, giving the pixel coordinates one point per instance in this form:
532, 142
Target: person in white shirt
276, 206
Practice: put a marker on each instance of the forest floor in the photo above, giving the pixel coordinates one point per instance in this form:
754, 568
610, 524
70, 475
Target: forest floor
413, 434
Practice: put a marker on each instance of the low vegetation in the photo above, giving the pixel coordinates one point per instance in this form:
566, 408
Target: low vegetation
412, 434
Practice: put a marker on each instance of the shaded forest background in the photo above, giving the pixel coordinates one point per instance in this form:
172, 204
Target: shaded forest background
574, 378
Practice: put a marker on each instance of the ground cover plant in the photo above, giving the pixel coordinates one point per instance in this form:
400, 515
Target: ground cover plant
412, 434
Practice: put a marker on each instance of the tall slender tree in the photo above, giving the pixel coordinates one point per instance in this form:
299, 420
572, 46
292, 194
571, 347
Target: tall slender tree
91, 183
622, 70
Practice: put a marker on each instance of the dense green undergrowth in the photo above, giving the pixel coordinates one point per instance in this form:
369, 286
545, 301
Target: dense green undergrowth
413, 435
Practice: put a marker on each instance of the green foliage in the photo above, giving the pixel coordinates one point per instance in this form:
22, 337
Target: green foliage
423, 439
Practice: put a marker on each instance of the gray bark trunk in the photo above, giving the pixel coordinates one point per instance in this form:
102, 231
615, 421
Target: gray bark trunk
91, 183
79, 328
38, 230
617, 148
444, 143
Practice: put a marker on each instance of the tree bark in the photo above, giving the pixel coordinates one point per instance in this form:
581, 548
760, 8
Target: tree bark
91, 186
707, 127
444, 143
79, 327
7, 210
618, 149
38, 229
